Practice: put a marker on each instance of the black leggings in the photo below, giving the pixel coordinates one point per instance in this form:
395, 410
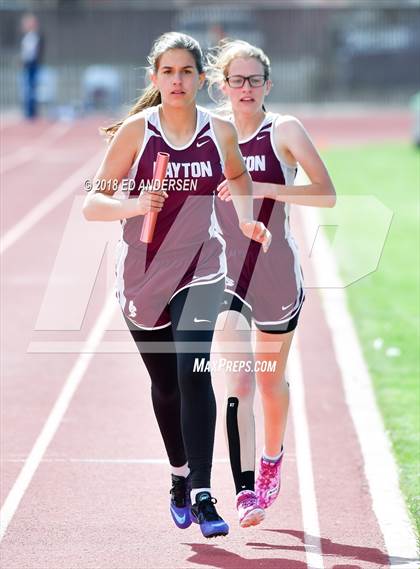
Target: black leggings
182, 393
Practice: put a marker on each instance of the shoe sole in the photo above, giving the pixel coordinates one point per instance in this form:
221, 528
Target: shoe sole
217, 534
253, 518
209, 532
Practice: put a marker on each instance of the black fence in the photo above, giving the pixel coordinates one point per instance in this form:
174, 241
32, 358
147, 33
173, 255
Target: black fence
334, 52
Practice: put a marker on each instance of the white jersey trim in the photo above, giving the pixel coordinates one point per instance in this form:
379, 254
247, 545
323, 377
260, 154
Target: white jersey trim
293, 313
240, 298
265, 120
137, 325
198, 126
198, 283
122, 250
281, 159
147, 135
216, 142
148, 327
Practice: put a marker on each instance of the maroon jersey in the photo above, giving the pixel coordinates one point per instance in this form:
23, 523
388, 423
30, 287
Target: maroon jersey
271, 284
187, 249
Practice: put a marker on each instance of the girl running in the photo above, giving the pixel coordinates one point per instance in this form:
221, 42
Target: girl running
170, 290
264, 289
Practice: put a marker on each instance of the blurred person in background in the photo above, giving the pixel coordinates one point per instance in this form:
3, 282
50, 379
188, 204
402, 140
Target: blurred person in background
264, 290
31, 52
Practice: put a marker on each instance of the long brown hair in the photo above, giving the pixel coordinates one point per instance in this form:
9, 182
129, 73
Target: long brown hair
151, 95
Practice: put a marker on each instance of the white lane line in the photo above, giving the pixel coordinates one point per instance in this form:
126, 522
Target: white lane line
129, 347
308, 501
111, 460
44, 207
55, 417
380, 468
33, 148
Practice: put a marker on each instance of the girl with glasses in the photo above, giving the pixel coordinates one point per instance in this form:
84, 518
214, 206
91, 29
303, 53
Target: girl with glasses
261, 290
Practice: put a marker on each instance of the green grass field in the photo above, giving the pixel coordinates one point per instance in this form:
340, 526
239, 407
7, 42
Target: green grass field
385, 303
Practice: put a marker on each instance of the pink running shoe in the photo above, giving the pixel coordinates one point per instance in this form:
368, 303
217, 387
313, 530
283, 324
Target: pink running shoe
249, 511
267, 486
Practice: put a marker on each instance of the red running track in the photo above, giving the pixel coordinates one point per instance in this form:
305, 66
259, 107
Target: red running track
99, 498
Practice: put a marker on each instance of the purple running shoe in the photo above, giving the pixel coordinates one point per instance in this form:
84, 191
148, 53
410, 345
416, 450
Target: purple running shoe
204, 513
180, 506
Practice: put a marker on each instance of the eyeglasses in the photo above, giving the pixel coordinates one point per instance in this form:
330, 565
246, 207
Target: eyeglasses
238, 81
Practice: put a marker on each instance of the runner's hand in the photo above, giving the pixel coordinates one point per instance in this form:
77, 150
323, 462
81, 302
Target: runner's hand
151, 201
257, 231
223, 191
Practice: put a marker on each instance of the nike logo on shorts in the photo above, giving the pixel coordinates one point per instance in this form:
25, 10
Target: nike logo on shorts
197, 320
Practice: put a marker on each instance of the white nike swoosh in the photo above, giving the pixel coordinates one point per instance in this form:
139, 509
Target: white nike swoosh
202, 143
261, 137
179, 519
201, 320
285, 307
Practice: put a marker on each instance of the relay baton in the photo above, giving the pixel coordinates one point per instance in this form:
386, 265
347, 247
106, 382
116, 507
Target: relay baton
150, 218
